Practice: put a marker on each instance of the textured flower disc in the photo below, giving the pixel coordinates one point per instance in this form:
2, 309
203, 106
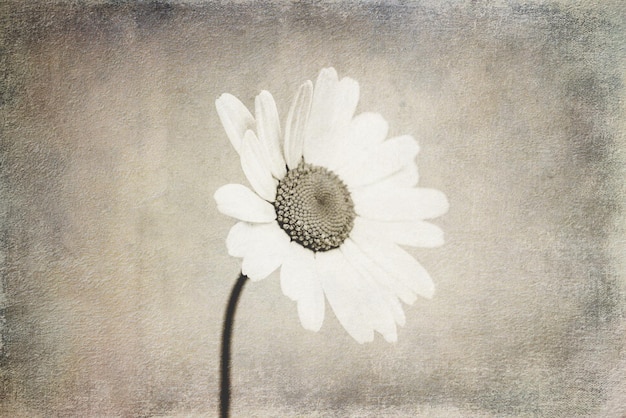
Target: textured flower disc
314, 207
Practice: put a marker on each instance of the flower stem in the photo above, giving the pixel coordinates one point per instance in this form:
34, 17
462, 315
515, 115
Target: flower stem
227, 333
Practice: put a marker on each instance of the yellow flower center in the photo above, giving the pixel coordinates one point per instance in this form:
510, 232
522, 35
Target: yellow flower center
314, 207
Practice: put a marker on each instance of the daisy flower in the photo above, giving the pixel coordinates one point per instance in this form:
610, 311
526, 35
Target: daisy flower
332, 202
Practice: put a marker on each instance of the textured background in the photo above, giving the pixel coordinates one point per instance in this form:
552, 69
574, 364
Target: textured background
114, 268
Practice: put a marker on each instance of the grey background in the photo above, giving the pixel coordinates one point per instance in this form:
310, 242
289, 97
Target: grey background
115, 272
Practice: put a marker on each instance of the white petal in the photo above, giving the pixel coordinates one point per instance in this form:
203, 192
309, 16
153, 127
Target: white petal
399, 204
379, 312
268, 131
363, 132
242, 203
255, 167
267, 253
321, 117
237, 241
407, 177
385, 280
395, 261
413, 233
378, 286
380, 162
359, 307
375, 307
235, 117
298, 267
296, 124
332, 109
258, 267
299, 282
346, 101
263, 247
338, 278
311, 309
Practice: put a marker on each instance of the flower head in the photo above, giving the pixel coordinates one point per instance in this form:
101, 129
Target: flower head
332, 200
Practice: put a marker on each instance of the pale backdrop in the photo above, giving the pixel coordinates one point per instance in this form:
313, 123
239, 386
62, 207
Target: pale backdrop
115, 270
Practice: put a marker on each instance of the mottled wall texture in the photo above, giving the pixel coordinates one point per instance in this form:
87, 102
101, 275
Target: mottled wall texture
114, 268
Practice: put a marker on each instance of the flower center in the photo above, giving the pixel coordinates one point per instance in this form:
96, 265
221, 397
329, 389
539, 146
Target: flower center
314, 207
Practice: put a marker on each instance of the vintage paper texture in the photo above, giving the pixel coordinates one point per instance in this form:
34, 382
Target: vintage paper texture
114, 269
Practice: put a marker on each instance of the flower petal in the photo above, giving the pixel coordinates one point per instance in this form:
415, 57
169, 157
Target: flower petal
375, 286
363, 132
413, 233
299, 282
321, 117
346, 101
263, 247
385, 280
375, 307
268, 131
399, 204
332, 108
235, 117
380, 161
408, 176
268, 249
395, 261
237, 241
296, 124
255, 167
238, 201
259, 266
338, 278
359, 307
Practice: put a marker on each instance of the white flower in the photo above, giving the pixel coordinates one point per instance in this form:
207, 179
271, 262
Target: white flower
331, 205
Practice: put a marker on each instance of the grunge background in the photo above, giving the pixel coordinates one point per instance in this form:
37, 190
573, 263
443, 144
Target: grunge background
114, 267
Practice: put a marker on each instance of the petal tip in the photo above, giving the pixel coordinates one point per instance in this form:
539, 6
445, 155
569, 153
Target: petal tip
361, 337
428, 293
224, 98
446, 203
217, 195
350, 81
314, 327
328, 71
264, 97
220, 99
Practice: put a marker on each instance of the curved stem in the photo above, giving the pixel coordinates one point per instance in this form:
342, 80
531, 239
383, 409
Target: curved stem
227, 333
